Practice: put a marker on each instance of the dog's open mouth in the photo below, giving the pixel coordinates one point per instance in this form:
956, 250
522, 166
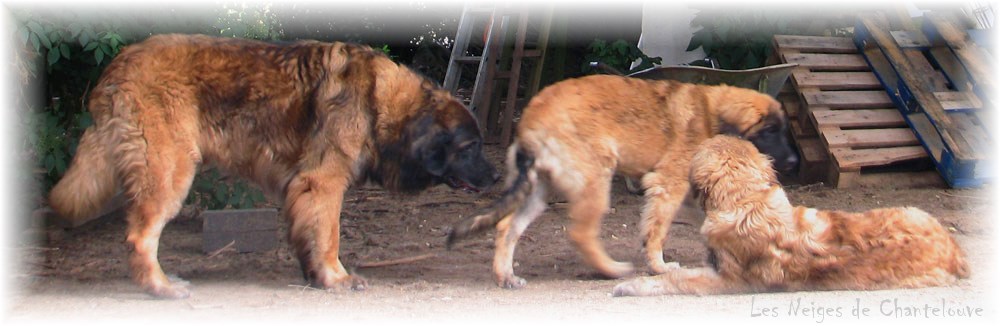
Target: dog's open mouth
455, 183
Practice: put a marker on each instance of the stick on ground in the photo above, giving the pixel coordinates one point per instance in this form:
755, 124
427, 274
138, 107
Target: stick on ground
398, 261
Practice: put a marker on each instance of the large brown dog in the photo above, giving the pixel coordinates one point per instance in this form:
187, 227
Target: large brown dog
303, 120
760, 242
574, 135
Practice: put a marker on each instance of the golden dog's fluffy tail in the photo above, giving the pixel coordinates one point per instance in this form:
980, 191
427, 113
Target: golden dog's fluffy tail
512, 199
90, 181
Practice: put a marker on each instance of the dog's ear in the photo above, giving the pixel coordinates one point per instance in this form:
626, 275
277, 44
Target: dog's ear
429, 145
726, 128
747, 114
433, 154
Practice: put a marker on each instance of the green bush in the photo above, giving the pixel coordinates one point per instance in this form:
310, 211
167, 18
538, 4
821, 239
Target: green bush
740, 38
212, 190
244, 21
619, 55
73, 56
65, 52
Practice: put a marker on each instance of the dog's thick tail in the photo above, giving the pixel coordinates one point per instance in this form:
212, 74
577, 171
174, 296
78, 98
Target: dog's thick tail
508, 203
88, 183
959, 263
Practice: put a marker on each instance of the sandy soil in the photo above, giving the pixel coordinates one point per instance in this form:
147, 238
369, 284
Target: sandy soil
81, 274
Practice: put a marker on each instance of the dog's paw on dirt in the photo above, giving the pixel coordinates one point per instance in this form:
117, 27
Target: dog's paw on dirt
511, 282
639, 287
176, 289
349, 283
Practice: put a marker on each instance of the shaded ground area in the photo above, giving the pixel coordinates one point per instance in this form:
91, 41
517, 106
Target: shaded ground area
83, 273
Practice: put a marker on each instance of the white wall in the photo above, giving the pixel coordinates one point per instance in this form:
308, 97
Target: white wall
666, 31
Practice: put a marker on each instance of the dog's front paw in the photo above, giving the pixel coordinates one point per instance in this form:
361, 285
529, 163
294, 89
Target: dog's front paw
350, 282
342, 283
511, 282
639, 287
175, 288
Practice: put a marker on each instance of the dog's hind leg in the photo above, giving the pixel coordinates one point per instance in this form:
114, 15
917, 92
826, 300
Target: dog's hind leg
666, 188
509, 230
587, 209
158, 170
698, 281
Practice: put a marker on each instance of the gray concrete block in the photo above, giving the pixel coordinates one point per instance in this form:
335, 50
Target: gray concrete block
250, 230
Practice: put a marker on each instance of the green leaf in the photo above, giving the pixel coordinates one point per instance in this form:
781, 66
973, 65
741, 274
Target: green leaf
723, 34
49, 163
699, 38
35, 27
699, 19
202, 183
709, 48
55, 37
85, 120
45, 41
90, 46
23, 33
64, 50
85, 39
239, 30
759, 37
53, 56
51, 122
99, 56
75, 29
60, 162
750, 61
236, 195
248, 201
35, 43
724, 61
221, 193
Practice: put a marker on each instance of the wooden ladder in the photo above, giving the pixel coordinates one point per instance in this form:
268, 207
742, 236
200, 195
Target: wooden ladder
497, 124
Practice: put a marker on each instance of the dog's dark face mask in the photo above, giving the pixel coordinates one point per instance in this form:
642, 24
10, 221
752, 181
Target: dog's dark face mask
456, 158
445, 146
770, 137
772, 141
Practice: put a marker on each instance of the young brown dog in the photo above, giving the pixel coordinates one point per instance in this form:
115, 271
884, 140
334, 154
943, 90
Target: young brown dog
761, 243
576, 134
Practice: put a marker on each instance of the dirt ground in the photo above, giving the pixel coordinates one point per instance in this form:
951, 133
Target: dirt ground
81, 274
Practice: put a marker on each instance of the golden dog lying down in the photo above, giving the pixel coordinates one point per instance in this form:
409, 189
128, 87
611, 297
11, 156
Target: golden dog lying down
759, 242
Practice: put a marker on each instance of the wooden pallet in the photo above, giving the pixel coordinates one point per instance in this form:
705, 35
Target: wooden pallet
814, 161
938, 81
844, 121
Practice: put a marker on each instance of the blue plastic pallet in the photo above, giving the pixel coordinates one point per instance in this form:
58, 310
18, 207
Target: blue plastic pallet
961, 160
